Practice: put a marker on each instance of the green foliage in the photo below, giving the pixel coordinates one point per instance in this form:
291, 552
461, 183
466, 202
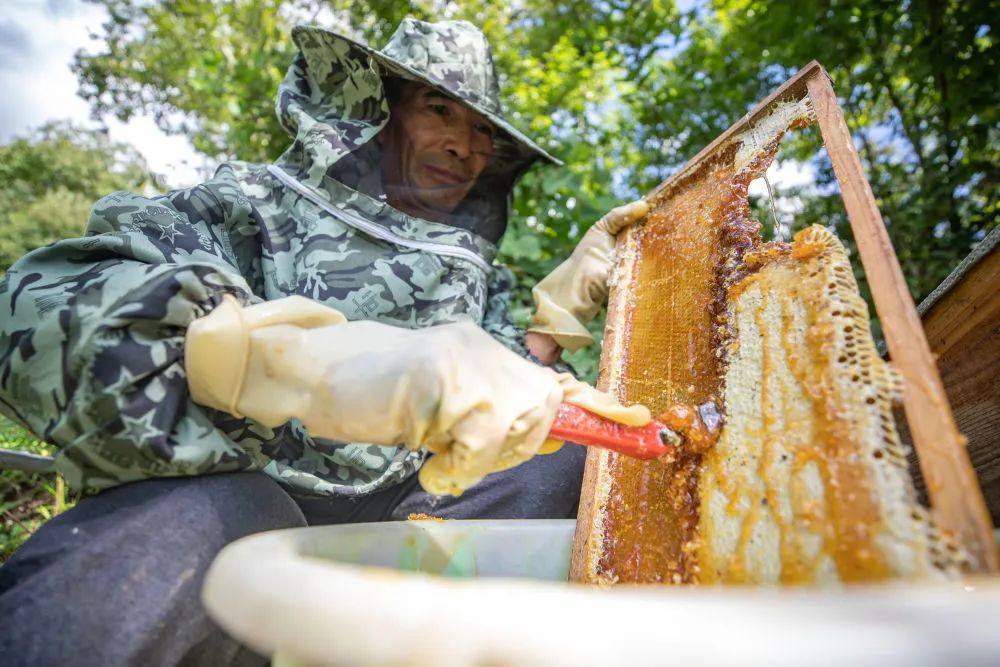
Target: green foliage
49, 181
623, 92
917, 81
26, 501
203, 68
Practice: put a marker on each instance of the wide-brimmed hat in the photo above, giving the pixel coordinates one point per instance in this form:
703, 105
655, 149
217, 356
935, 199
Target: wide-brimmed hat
450, 56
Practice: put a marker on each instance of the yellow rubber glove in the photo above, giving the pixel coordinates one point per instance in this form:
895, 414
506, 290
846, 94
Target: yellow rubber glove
571, 296
452, 389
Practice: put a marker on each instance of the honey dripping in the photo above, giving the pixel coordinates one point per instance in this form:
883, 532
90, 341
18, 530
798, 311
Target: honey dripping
688, 249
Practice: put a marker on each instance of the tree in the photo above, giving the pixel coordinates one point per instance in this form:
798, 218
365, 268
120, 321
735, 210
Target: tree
917, 82
623, 92
209, 69
49, 181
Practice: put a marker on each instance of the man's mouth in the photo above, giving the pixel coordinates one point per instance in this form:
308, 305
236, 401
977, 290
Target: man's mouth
445, 176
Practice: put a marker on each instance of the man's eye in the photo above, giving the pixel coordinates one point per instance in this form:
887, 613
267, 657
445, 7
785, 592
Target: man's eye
438, 108
485, 129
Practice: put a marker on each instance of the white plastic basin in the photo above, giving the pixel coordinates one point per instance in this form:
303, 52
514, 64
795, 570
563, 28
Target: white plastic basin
493, 593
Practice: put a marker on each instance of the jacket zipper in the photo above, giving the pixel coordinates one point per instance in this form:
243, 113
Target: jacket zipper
372, 229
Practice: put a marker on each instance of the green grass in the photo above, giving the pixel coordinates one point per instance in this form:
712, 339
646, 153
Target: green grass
26, 501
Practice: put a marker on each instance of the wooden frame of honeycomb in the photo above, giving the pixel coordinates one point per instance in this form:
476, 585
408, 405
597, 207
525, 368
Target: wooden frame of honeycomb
808, 481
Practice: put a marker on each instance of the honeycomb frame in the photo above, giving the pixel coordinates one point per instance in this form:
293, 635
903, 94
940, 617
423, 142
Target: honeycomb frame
638, 544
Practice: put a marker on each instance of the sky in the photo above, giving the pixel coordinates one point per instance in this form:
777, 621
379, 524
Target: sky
38, 39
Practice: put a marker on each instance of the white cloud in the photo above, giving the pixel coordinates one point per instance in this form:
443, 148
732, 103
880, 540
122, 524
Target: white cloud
783, 176
14, 43
34, 70
38, 39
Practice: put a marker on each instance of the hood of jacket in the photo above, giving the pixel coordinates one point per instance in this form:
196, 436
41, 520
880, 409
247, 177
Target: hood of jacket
333, 102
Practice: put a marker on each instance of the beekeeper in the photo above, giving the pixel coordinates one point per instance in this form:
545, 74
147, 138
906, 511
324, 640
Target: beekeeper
335, 320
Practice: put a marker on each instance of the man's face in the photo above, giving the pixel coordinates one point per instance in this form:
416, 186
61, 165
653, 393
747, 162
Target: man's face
433, 150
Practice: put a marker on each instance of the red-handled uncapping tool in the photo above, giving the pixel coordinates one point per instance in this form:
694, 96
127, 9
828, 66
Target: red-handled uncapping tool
655, 440
577, 425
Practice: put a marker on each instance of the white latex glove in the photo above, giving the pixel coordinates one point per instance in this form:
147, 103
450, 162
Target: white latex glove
571, 296
452, 389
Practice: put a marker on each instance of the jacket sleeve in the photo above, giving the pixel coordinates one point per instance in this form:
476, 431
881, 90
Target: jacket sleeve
92, 333
498, 321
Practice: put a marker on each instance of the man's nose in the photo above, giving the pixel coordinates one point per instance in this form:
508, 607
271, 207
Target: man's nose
458, 141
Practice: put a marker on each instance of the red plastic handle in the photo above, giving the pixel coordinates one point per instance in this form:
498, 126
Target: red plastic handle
577, 425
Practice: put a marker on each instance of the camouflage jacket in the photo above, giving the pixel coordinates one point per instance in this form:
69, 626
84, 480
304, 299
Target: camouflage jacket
92, 335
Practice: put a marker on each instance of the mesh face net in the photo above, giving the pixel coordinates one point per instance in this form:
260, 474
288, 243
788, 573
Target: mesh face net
807, 482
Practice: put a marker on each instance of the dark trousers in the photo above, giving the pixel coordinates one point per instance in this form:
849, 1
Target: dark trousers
116, 580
